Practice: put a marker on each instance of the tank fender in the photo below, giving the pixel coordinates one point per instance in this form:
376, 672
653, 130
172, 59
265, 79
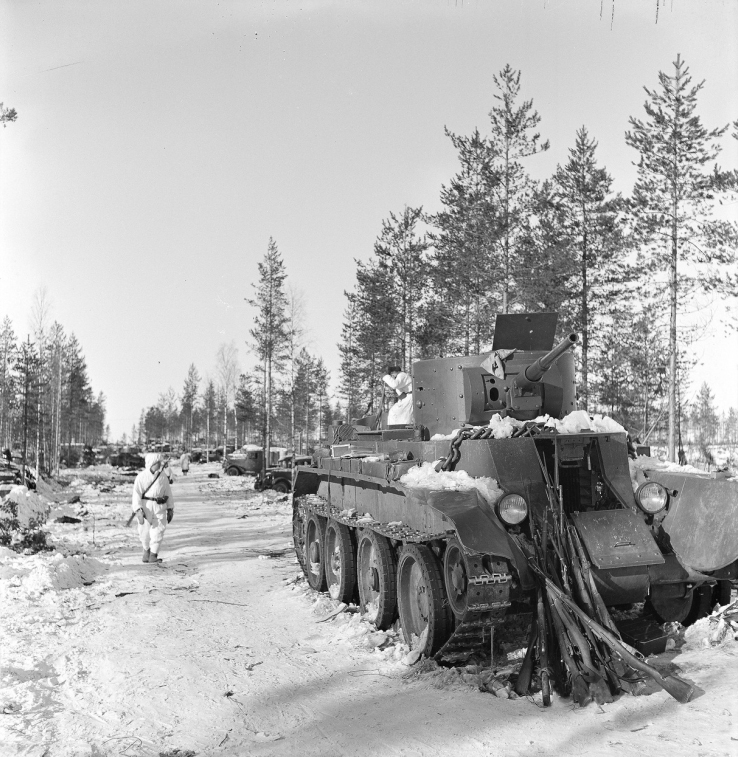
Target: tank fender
477, 527
702, 518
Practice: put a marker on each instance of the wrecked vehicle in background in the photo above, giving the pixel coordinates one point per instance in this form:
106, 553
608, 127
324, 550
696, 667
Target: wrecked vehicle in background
437, 523
249, 460
128, 457
279, 477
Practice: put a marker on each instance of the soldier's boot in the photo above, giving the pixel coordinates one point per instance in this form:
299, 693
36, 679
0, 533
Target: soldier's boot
146, 554
154, 558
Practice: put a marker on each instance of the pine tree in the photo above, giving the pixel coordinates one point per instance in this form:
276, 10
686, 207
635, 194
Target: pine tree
209, 401
704, 416
457, 317
372, 331
349, 352
8, 350
77, 395
512, 139
548, 285
269, 333
588, 218
245, 406
401, 252
672, 203
323, 407
649, 360
307, 389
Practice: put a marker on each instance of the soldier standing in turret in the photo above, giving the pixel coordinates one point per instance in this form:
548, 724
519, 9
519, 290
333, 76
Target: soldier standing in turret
401, 413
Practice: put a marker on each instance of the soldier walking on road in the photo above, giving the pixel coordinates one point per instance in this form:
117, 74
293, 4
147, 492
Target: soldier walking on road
153, 505
184, 462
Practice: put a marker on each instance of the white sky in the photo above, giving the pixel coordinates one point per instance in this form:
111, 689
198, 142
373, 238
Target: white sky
160, 144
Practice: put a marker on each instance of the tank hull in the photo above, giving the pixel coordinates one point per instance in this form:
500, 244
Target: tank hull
365, 494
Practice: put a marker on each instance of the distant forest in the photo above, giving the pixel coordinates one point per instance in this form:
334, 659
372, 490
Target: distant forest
48, 410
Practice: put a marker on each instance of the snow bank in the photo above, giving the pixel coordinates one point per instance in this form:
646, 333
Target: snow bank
720, 628
24, 506
62, 573
426, 477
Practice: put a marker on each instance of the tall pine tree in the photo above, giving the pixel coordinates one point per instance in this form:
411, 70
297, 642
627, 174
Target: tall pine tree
513, 138
269, 333
673, 202
588, 217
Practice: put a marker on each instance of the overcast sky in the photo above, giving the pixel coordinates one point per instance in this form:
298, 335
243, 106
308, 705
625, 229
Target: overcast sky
160, 144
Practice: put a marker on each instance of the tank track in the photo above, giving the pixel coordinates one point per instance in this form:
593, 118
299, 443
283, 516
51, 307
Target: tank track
472, 632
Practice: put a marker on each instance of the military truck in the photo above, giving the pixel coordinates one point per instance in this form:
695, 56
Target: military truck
453, 564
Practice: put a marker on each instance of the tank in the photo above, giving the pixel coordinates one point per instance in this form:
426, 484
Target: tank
453, 565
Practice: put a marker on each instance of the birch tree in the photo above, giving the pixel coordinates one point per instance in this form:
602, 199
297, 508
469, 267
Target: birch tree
8, 349
294, 340
189, 401
209, 401
226, 366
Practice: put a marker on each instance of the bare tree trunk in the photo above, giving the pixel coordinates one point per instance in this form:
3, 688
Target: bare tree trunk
207, 436
307, 410
25, 416
673, 340
585, 321
38, 414
57, 438
268, 434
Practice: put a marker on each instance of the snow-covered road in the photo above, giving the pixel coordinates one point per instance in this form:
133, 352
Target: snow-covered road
220, 652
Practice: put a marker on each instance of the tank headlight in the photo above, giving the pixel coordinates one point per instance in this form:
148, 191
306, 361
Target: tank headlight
512, 509
651, 497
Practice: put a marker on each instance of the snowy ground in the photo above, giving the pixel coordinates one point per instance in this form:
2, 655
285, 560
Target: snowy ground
222, 652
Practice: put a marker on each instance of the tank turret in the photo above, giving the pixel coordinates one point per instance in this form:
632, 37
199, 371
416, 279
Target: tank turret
520, 382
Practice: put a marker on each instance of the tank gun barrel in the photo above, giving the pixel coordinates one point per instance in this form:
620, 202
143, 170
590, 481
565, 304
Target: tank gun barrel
534, 372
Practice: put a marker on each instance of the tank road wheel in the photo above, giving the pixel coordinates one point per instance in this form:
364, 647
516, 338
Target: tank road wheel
314, 541
298, 536
701, 604
455, 578
426, 619
669, 607
340, 562
377, 574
